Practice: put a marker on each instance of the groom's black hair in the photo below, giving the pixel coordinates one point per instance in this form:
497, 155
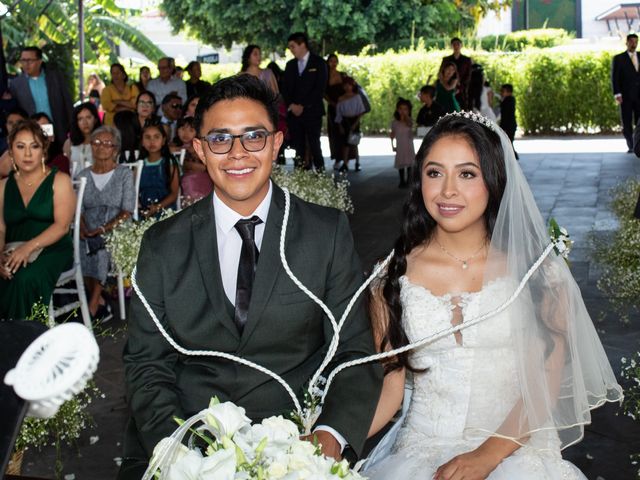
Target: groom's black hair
238, 86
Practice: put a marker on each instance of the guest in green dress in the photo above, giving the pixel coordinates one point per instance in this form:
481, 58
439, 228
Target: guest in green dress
36, 209
446, 87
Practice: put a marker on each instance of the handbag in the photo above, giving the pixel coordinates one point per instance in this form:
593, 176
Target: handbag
354, 138
11, 246
95, 244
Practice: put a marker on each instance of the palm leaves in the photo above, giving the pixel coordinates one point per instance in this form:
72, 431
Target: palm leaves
43, 22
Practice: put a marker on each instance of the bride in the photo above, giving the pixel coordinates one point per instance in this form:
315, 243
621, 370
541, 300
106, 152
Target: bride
501, 398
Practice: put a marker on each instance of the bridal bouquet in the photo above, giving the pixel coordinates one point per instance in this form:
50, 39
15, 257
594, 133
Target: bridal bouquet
234, 449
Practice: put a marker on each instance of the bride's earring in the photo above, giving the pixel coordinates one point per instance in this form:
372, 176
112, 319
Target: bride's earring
44, 168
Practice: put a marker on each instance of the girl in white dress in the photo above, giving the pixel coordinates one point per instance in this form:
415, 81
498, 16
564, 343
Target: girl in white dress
498, 399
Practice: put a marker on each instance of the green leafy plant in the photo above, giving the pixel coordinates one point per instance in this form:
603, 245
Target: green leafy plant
548, 85
619, 256
53, 26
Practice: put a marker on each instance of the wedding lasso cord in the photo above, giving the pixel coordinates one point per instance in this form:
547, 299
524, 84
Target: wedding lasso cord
209, 353
337, 326
333, 346
448, 331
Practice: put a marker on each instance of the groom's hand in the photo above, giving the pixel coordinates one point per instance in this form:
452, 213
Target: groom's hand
330, 446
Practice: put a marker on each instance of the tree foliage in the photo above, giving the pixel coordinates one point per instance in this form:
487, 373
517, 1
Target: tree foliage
333, 25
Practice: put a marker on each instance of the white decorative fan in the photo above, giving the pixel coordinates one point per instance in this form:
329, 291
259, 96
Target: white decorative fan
57, 365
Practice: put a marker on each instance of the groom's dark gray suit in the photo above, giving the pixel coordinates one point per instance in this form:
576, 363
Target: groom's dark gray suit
179, 274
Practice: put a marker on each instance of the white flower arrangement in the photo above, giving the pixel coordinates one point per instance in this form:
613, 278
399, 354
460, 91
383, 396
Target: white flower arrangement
235, 449
123, 242
561, 239
315, 187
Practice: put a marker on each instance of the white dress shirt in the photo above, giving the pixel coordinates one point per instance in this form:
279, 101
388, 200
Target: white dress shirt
634, 59
229, 249
230, 242
302, 63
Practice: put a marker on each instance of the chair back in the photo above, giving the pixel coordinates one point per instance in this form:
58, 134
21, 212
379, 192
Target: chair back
80, 185
137, 175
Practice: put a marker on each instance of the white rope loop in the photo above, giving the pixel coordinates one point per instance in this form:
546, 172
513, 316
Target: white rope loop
210, 353
337, 327
446, 332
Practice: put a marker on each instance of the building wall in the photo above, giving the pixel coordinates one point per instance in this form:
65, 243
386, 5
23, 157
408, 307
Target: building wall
591, 28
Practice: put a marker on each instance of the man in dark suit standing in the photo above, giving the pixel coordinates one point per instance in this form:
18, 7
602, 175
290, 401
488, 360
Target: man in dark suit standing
214, 278
463, 64
41, 89
305, 79
625, 80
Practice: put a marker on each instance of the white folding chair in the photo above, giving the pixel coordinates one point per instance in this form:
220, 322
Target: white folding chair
75, 272
137, 175
183, 153
136, 167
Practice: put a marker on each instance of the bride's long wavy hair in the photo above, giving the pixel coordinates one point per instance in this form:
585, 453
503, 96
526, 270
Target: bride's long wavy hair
418, 225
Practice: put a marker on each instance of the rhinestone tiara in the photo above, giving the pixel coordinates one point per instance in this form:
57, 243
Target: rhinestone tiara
476, 117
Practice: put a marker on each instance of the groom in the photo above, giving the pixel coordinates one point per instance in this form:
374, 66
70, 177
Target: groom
213, 275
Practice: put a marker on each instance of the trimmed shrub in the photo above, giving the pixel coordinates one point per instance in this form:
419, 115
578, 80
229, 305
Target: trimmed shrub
523, 39
556, 92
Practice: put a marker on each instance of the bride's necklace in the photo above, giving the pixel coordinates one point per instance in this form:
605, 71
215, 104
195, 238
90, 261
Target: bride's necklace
465, 261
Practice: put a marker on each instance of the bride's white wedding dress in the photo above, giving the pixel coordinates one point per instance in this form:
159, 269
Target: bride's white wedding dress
435, 428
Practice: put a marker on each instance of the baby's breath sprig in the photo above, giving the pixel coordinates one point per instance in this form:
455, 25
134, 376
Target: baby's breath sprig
123, 242
560, 237
315, 187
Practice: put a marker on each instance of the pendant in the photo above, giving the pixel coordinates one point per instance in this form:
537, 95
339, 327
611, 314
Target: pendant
464, 265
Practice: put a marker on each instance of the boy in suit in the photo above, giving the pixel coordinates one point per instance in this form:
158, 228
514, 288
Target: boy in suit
304, 83
213, 276
430, 111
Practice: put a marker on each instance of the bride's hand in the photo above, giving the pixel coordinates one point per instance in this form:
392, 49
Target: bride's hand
474, 465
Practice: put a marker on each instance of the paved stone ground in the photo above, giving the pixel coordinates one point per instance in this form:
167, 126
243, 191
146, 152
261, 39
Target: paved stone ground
570, 179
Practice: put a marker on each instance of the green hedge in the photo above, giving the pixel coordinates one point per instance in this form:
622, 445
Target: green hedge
524, 39
556, 92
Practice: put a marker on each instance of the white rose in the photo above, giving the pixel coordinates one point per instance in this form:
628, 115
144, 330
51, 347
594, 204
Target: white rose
277, 470
225, 419
280, 426
186, 468
221, 465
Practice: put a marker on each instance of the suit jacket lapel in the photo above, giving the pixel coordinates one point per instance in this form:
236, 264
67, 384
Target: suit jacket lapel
269, 265
203, 227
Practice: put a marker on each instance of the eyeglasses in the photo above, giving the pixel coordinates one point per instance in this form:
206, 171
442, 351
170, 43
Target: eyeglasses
145, 103
29, 60
221, 143
102, 143
176, 105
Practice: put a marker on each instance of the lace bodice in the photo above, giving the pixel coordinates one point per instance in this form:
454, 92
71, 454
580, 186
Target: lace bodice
465, 381
442, 394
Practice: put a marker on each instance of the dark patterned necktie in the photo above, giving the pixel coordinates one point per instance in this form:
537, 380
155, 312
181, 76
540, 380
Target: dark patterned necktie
246, 269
